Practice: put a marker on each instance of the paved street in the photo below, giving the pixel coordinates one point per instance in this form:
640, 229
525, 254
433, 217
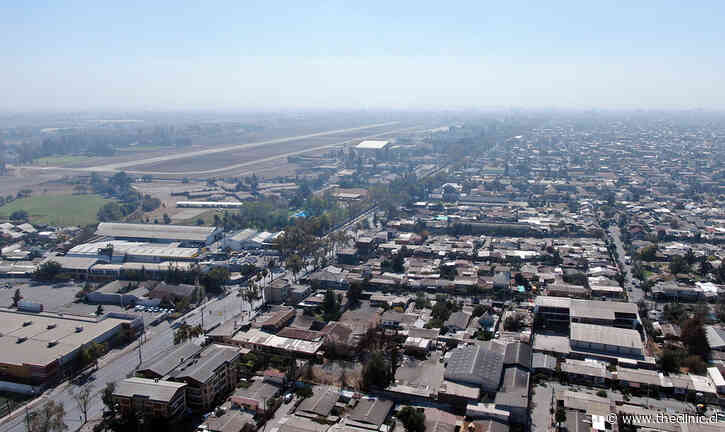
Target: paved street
634, 292
118, 364
540, 417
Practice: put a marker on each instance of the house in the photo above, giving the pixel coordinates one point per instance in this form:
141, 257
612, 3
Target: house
397, 320
164, 291
275, 320
255, 398
339, 338
325, 279
153, 398
417, 345
320, 404
278, 291
348, 256
228, 421
458, 321
369, 414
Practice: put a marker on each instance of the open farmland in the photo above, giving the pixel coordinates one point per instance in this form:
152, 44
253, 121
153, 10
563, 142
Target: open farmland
64, 210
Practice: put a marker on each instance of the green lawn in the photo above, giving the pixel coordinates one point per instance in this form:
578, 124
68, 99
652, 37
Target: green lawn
62, 210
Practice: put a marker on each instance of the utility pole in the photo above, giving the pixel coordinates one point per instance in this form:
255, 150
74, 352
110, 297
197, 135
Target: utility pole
140, 342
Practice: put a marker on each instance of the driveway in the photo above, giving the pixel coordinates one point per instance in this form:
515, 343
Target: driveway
540, 415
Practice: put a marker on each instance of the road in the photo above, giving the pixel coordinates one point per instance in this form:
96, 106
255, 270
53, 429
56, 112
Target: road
118, 364
635, 293
540, 414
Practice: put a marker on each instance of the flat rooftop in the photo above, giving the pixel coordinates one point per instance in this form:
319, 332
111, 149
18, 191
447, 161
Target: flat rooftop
40, 339
154, 231
597, 334
139, 249
372, 145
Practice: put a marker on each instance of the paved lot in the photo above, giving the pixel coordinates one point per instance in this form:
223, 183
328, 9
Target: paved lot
540, 416
52, 296
283, 411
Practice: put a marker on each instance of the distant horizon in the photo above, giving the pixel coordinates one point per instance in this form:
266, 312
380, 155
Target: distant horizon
166, 56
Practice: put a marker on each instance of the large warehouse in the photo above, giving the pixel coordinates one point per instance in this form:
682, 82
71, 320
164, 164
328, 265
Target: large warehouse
156, 233
39, 347
125, 251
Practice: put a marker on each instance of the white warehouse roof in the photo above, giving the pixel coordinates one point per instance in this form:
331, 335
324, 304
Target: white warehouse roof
155, 231
372, 145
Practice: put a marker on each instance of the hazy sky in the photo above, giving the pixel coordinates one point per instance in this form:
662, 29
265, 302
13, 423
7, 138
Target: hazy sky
363, 54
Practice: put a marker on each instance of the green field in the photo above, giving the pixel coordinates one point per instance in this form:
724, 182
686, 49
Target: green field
64, 210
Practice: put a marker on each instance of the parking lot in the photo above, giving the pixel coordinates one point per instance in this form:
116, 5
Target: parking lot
61, 298
52, 296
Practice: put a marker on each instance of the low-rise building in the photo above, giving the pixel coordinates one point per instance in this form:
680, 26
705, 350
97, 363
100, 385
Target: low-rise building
153, 398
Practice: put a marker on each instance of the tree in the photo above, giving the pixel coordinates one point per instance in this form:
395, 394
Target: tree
295, 263
560, 416
304, 392
47, 271
186, 332
376, 372
110, 212
355, 292
107, 396
695, 364
83, 399
441, 310
671, 360
19, 215
399, 262
17, 297
215, 279
693, 335
512, 323
91, 353
413, 420
331, 306
679, 265
479, 310
49, 418
420, 300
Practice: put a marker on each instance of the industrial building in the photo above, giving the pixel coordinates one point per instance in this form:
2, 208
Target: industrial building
601, 339
38, 348
373, 145
156, 233
120, 251
475, 365
209, 204
250, 239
